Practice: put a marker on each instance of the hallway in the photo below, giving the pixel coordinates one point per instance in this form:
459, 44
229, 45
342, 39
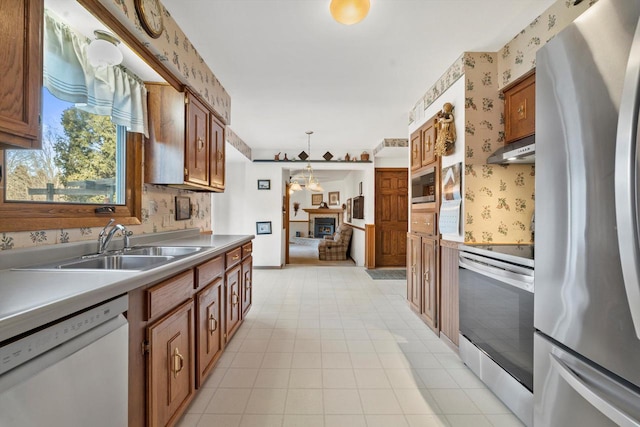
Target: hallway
329, 346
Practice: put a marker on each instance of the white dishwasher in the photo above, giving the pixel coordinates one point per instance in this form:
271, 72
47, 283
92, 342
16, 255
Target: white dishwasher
72, 373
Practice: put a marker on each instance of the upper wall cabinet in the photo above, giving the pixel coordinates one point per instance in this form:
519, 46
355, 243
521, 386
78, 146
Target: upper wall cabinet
185, 148
423, 143
21, 79
520, 109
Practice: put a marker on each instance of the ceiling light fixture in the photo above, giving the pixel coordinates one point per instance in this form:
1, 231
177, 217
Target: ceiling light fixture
310, 182
103, 51
349, 12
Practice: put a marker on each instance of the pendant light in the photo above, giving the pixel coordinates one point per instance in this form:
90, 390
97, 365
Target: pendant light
310, 181
349, 12
103, 51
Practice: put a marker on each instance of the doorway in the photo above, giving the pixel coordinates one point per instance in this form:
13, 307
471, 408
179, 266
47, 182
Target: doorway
391, 216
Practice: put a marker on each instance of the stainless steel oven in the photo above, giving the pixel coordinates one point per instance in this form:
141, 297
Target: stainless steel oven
496, 321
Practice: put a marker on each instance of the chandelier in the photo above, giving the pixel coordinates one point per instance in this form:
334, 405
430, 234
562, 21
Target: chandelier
310, 182
349, 12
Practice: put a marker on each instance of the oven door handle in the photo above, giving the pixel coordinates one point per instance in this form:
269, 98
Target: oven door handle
517, 280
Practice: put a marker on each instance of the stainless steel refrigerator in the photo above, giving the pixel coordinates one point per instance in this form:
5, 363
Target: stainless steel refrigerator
587, 254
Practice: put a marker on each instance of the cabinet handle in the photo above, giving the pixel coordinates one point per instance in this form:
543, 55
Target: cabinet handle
200, 144
213, 324
247, 284
178, 362
428, 143
426, 276
236, 257
220, 156
234, 299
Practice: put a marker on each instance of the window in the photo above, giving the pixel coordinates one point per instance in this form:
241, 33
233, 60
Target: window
89, 168
82, 159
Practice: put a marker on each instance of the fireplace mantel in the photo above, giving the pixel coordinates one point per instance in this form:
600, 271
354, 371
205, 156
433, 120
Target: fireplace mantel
324, 211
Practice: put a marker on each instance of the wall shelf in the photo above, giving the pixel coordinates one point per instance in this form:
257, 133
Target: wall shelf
309, 161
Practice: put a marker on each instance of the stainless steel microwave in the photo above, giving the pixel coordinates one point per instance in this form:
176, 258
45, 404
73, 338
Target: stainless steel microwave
423, 186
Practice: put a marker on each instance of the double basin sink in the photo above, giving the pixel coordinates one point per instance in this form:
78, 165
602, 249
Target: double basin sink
136, 259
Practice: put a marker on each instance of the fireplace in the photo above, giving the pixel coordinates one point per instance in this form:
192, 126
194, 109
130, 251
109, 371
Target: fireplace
323, 227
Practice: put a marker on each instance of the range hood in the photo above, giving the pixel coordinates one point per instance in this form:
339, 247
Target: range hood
520, 151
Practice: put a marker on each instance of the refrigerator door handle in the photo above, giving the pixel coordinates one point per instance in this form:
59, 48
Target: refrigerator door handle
596, 397
626, 182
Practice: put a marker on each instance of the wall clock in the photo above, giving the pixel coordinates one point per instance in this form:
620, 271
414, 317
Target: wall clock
150, 14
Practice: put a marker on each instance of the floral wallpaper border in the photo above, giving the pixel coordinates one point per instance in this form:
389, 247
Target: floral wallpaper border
391, 142
235, 141
175, 50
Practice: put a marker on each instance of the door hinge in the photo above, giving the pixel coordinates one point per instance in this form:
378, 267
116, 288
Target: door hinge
145, 347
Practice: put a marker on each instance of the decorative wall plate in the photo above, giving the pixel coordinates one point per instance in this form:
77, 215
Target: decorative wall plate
303, 156
328, 156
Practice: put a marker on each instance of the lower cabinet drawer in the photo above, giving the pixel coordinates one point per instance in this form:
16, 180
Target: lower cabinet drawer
233, 257
247, 248
169, 294
208, 271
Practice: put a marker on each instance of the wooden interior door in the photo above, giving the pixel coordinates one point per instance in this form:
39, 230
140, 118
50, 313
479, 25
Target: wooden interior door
391, 213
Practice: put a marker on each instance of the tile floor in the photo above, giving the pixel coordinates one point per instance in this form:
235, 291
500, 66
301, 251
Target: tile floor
329, 346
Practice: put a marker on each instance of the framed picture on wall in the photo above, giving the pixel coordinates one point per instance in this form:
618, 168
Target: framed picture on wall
348, 210
334, 198
316, 199
263, 227
183, 208
264, 184
358, 207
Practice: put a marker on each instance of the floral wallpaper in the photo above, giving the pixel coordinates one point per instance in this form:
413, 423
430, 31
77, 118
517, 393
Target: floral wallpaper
391, 142
158, 214
499, 199
235, 141
175, 50
518, 56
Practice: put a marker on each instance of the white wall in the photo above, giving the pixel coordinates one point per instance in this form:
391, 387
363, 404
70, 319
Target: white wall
456, 96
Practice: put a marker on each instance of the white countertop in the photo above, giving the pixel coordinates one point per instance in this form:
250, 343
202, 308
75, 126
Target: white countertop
32, 298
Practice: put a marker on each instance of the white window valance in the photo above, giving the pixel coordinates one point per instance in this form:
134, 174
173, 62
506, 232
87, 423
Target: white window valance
108, 91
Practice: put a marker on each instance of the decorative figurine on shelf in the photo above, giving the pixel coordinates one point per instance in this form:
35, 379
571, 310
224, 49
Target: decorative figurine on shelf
285, 157
446, 139
347, 157
276, 157
364, 157
323, 205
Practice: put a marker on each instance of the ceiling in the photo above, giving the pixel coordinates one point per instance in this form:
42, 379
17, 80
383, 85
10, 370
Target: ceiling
290, 68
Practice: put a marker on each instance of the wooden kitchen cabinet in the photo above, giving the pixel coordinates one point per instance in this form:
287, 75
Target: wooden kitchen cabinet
233, 305
171, 375
186, 144
422, 278
414, 259
178, 329
450, 321
520, 109
247, 285
21, 23
209, 325
196, 146
429, 282
423, 142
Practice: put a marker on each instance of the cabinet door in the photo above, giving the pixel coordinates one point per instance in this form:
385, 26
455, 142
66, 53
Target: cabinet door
247, 285
449, 316
197, 142
171, 369
21, 24
416, 145
209, 328
217, 157
413, 272
429, 282
233, 303
428, 139
520, 109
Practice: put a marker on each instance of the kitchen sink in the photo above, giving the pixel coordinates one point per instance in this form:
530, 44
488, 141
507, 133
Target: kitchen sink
117, 262
163, 250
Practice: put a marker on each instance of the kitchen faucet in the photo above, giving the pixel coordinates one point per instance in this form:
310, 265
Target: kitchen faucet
104, 238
